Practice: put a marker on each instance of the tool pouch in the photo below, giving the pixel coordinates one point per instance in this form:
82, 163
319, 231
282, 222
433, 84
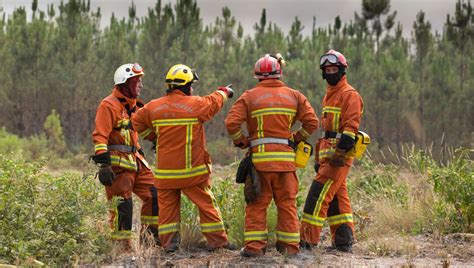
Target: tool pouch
244, 168
304, 151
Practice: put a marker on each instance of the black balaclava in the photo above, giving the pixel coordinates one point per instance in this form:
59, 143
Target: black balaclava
186, 89
334, 78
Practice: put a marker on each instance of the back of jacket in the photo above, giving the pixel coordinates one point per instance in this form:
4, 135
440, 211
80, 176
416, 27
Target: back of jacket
175, 121
270, 111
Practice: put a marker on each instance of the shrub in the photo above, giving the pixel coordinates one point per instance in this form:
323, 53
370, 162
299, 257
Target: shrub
54, 133
53, 219
454, 182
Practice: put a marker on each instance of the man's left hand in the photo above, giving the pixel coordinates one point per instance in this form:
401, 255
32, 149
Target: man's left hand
338, 158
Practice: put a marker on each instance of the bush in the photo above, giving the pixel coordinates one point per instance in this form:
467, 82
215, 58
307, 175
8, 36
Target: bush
53, 219
454, 182
54, 133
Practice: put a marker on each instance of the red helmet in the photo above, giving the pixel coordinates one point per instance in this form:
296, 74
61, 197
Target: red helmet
332, 57
268, 67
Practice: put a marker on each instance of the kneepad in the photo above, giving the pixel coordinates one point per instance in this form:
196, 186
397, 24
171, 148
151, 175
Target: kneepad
125, 214
313, 195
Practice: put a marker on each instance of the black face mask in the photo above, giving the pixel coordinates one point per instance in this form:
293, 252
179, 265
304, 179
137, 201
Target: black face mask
186, 89
334, 78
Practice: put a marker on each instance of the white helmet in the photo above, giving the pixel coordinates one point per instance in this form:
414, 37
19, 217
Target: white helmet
127, 71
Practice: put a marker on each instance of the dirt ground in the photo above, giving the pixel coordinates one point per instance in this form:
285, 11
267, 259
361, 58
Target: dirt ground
455, 250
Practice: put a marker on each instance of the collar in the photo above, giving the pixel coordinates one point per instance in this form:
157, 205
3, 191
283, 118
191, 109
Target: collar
332, 89
176, 92
124, 100
271, 83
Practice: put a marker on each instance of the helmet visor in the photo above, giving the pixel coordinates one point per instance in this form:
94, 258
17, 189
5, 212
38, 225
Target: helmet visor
331, 58
195, 75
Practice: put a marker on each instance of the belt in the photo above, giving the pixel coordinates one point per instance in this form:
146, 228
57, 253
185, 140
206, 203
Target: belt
257, 142
122, 148
331, 135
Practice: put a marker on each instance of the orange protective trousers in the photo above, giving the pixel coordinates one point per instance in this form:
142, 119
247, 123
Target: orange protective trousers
328, 199
211, 222
283, 187
142, 183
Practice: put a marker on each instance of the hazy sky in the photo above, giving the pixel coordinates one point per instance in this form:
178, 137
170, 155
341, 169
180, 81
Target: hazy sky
282, 12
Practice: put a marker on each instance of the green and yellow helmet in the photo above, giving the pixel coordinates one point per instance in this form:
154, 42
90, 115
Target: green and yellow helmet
180, 75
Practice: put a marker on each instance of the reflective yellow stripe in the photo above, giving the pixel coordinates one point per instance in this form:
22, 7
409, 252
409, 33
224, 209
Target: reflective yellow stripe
350, 134
122, 162
290, 121
273, 156
180, 173
341, 218
123, 123
322, 196
326, 153
313, 220
255, 235
237, 135
175, 122
100, 146
150, 220
304, 133
145, 133
336, 121
128, 139
336, 111
188, 146
273, 111
288, 237
261, 147
212, 227
331, 109
123, 234
168, 228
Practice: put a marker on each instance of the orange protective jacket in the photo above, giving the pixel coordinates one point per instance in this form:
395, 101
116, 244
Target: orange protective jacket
113, 127
176, 122
270, 110
342, 112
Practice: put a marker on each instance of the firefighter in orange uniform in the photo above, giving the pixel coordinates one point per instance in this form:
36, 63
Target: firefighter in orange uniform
175, 123
328, 198
270, 110
123, 169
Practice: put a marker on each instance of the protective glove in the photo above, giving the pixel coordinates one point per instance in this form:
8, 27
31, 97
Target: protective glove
242, 144
338, 158
106, 175
227, 90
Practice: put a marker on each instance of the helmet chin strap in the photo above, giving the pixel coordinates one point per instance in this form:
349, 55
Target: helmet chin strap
127, 91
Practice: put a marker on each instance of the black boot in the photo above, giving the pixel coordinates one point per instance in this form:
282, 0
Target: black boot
344, 238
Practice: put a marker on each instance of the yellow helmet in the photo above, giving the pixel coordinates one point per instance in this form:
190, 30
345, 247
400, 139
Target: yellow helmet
180, 75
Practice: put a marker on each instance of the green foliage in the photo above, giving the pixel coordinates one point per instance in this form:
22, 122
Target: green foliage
54, 133
454, 182
53, 219
65, 61
378, 181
